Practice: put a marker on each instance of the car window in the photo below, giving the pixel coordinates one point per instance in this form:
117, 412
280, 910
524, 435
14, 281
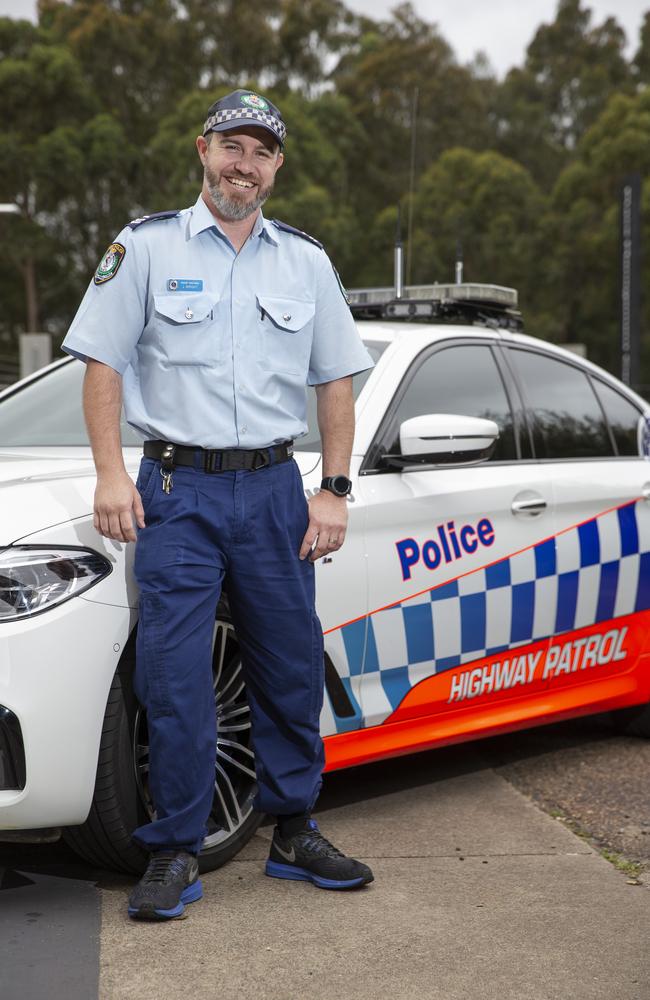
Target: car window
48, 411
311, 440
565, 416
622, 417
462, 379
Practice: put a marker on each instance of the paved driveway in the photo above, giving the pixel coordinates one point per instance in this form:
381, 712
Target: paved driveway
478, 894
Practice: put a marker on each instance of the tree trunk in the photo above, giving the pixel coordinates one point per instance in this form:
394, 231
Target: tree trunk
31, 296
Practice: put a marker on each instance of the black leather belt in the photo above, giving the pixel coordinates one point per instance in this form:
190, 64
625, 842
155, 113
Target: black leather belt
212, 460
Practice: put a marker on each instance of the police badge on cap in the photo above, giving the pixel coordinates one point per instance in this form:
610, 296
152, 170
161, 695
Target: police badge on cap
243, 107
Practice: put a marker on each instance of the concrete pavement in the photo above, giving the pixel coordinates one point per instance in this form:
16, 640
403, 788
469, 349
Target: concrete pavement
49, 937
478, 895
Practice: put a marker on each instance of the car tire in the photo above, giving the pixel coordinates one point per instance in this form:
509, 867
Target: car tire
633, 721
121, 800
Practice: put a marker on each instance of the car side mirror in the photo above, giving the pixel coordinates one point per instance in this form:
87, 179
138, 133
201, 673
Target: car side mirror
643, 435
444, 439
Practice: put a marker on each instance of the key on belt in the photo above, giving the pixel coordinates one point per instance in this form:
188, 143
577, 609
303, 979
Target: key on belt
167, 467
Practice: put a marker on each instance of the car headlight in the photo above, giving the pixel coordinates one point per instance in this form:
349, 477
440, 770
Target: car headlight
34, 578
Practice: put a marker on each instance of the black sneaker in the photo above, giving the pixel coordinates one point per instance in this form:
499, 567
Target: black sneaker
307, 856
170, 881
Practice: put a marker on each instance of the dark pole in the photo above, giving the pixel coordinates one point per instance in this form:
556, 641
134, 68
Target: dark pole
409, 229
630, 279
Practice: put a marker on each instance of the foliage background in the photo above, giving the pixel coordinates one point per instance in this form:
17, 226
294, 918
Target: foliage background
102, 99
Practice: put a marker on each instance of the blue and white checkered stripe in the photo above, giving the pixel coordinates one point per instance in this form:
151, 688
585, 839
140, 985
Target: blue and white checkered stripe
246, 114
589, 573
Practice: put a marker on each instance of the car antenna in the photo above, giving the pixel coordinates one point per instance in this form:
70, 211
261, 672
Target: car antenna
399, 257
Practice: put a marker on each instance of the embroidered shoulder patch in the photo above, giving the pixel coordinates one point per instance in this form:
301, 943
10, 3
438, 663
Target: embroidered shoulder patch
110, 263
171, 214
285, 228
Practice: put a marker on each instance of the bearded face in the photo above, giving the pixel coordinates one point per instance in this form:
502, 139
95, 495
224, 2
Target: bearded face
232, 194
239, 171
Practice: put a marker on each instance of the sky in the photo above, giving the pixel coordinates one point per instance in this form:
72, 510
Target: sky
503, 28
500, 28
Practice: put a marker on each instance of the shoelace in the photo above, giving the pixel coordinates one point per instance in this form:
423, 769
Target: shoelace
163, 869
314, 841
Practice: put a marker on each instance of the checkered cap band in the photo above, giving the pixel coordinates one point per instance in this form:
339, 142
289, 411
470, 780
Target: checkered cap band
246, 114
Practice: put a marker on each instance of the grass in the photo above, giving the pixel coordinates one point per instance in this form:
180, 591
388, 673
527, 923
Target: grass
630, 868
633, 869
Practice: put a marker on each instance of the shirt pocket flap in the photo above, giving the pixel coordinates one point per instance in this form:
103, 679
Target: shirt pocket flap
185, 308
288, 314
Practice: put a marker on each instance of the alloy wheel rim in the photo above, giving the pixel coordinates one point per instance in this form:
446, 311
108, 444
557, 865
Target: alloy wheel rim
235, 782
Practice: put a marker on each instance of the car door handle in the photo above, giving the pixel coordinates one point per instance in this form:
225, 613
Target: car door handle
531, 506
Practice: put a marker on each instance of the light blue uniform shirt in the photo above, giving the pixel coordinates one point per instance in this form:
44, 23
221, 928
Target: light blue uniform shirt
216, 347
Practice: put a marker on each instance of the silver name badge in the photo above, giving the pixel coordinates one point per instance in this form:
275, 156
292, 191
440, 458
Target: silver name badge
185, 285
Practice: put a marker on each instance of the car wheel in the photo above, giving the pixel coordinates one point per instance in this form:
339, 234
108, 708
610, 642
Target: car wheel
634, 721
122, 801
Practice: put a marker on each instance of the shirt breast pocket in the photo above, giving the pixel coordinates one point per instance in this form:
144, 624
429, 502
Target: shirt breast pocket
186, 328
287, 327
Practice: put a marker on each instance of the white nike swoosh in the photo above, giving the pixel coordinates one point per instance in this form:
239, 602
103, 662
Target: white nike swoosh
290, 855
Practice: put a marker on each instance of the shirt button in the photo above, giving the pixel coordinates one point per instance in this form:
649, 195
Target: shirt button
188, 313
286, 317
243, 430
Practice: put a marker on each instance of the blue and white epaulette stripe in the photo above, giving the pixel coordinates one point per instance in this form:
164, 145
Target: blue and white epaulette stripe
285, 228
169, 214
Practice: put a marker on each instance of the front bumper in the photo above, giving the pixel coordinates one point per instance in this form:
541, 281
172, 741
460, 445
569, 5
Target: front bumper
55, 673
12, 751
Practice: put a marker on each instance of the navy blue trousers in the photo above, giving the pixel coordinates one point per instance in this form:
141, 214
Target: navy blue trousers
242, 530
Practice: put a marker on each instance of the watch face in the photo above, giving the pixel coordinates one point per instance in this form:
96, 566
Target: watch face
341, 485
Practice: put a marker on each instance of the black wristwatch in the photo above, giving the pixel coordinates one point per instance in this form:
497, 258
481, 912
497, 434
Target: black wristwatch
340, 486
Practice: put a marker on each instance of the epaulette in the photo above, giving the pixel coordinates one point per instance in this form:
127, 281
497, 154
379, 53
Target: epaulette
297, 232
134, 223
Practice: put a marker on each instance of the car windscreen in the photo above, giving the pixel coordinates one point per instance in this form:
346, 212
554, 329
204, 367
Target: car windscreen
48, 411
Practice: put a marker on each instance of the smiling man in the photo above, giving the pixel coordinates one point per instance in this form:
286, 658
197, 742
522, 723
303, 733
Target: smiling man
207, 324
235, 194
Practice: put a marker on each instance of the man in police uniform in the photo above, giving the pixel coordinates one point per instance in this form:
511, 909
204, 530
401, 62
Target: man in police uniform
207, 323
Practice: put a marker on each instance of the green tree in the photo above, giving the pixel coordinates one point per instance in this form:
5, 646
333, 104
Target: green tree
489, 203
641, 61
395, 62
583, 273
136, 57
571, 70
312, 35
44, 94
232, 40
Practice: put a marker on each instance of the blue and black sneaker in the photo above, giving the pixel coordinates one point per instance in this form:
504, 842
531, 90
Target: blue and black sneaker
306, 856
170, 881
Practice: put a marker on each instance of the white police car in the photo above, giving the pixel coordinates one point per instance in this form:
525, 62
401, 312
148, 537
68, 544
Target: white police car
496, 573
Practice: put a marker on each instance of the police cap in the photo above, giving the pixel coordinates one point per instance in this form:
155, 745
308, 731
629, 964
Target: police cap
244, 107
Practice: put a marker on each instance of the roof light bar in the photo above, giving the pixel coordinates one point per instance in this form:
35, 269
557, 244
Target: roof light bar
495, 295
480, 305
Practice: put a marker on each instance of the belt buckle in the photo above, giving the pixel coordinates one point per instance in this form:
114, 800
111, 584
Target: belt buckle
210, 461
260, 460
